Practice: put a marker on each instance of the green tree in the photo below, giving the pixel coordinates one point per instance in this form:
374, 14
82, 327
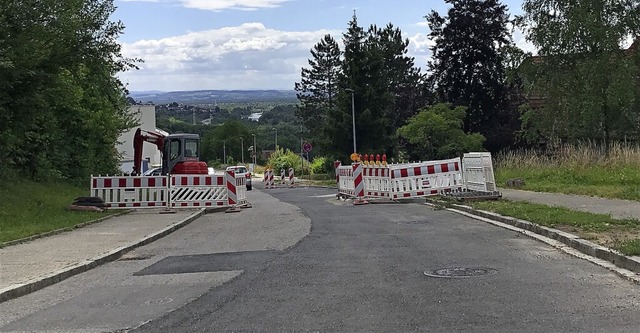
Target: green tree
62, 106
225, 140
589, 84
280, 114
437, 133
376, 81
468, 66
318, 87
339, 119
393, 89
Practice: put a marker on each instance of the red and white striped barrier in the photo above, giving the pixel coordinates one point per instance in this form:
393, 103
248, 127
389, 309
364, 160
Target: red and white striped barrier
377, 181
397, 181
426, 178
268, 179
282, 177
358, 184
131, 191
189, 191
232, 194
291, 177
344, 174
176, 191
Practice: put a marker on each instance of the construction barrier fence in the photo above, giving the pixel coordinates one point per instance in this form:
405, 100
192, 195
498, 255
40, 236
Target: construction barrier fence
174, 191
410, 180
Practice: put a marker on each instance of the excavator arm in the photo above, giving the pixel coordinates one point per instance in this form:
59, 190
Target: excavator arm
139, 138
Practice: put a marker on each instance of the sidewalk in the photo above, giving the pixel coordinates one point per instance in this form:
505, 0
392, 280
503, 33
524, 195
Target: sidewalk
39, 263
617, 208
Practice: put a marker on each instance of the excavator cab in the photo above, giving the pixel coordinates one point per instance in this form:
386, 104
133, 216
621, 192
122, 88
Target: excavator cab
181, 155
180, 152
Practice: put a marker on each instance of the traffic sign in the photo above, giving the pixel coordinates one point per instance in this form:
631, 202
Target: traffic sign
306, 147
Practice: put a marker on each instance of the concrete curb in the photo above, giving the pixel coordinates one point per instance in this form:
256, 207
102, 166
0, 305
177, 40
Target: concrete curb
631, 264
40, 283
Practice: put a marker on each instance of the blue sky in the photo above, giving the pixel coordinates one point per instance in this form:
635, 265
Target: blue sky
253, 44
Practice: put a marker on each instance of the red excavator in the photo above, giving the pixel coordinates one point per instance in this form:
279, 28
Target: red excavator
180, 152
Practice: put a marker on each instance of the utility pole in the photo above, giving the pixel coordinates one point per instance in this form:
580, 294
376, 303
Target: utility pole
301, 156
255, 150
353, 116
224, 151
242, 148
275, 129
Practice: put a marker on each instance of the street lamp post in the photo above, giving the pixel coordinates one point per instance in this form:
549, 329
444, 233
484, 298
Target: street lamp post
275, 129
254, 150
242, 148
301, 156
353, 117
224, 151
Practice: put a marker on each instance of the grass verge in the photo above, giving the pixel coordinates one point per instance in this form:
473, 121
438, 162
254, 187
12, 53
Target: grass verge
622, 182
29, 208
586, 168
619, 234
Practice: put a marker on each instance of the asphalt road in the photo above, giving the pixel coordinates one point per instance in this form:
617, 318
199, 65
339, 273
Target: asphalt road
304, 261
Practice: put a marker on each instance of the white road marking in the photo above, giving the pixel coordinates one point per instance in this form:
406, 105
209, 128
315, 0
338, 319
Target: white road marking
323, 196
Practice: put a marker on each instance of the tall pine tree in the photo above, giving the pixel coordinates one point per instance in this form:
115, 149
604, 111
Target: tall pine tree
318, 88
376, 77
468, 65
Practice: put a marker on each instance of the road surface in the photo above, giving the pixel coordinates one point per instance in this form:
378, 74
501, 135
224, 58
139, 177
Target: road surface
300, 260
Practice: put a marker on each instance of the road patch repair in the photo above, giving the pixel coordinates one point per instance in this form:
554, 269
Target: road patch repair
214, 262
28, 267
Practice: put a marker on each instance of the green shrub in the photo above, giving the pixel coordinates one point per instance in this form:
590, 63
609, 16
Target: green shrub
319, 165
258, 169
282, 159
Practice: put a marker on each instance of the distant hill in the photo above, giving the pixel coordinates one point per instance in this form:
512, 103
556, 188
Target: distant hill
215, 96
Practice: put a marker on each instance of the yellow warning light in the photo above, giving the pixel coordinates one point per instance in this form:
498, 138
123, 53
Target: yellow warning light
354, 157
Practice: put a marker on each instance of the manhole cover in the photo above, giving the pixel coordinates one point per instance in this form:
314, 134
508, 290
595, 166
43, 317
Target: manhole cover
460, 272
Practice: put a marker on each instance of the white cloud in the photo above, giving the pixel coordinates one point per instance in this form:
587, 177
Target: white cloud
217, 5
521, 42
419, 45
248, 56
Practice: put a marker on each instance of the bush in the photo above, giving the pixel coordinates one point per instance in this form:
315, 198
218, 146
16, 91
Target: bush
284, 160
258, 169
319, 165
